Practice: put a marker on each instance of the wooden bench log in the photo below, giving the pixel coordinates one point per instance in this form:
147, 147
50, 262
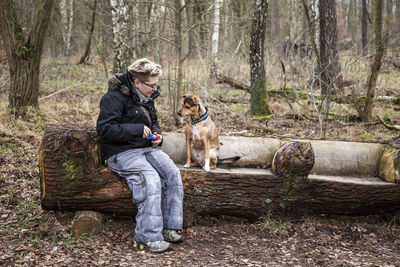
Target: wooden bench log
72, 178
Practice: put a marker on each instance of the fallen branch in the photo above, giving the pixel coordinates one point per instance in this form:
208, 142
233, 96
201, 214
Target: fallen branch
263, 117
62, 90
291, 94
5, 140
389, 126
221, 78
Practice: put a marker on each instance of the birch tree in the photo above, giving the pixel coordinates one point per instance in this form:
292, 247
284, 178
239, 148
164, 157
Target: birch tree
215, 38
67, 16
24, 51
258, 89
121, 30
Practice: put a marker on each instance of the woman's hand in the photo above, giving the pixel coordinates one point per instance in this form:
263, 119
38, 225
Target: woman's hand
146, 131
158, 141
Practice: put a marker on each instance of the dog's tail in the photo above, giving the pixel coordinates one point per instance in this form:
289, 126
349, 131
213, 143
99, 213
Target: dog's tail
228, 160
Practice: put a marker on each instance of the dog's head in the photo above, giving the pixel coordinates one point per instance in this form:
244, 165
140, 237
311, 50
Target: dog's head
190, 105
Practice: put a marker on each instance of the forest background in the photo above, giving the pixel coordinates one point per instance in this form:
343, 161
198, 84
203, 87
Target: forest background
260, 66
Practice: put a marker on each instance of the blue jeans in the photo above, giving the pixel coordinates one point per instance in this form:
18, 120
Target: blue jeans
157, 190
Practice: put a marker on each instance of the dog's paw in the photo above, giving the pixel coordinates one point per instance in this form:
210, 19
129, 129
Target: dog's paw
206, 168
187, 166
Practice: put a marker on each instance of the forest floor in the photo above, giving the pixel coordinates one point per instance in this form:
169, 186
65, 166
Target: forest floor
30, 236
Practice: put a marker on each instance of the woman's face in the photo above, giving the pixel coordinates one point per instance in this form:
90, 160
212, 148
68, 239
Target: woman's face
147, 88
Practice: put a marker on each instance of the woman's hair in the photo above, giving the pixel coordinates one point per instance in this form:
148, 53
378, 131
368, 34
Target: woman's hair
143, 68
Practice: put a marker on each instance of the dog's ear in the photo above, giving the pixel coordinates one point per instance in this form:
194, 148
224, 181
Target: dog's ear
196, 99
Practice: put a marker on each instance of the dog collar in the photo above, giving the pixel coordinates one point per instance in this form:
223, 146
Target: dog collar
202, 117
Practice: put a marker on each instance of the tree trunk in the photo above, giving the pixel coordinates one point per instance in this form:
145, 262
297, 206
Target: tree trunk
313, 28
200, 13
179, 47
214, 39
366, 114
276, 21
364, 34
72, 178
331, 73
24, 52
90, 35
121, 29
259, 97
67, 21
188, 16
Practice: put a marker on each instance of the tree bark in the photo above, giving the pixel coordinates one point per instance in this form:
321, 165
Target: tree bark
214, 39
90, 35
276, 21
67, 21
121, 29
331, 73
72, 178
366, 113
24, 50
364, 36
259, 97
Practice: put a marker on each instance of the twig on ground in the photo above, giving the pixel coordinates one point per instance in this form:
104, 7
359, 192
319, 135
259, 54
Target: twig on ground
389, 126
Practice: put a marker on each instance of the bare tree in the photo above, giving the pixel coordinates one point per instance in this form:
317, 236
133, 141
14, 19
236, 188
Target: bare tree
331, 74
366, 113
259, 96
121, 29
24, 50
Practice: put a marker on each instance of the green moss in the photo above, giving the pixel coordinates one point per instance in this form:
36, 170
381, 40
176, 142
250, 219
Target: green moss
396, 101
259, 99
75, 171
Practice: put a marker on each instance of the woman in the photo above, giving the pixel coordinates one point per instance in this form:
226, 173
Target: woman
127, 119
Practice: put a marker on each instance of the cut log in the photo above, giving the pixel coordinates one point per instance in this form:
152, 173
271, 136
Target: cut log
72, 177
293, 159
86, 221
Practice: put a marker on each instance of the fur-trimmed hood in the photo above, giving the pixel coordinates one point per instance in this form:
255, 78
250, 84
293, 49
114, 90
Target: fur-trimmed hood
115, 83
124, 83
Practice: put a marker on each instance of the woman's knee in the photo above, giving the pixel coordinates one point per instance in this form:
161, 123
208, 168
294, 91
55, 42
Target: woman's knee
153, 182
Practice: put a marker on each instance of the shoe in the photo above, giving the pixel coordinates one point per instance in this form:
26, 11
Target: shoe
155, 246
171, 236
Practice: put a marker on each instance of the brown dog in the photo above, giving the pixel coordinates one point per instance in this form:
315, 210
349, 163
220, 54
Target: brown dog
202, 142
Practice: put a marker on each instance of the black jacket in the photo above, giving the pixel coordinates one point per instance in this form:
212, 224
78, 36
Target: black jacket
121, 120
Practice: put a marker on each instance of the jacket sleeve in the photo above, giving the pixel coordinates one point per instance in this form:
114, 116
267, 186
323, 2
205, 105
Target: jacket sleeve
155, 126
109, 126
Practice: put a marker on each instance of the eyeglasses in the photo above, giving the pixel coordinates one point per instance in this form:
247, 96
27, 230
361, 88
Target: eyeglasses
154, 86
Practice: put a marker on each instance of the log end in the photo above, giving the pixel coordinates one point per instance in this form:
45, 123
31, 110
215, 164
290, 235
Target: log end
293, 159
389, 165
90, 222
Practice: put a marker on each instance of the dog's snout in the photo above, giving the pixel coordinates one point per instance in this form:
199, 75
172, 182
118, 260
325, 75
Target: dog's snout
179, 113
